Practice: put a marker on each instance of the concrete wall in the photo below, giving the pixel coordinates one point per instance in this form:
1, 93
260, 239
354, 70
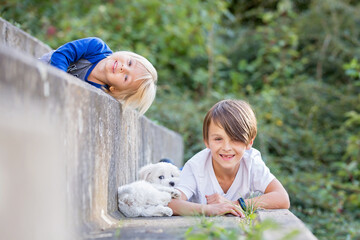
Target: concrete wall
32, 179
94, 144
18, 39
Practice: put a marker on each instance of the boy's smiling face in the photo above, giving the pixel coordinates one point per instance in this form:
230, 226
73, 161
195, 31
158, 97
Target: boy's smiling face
226, 153
122, 71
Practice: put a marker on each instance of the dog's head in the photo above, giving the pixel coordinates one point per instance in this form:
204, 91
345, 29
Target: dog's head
162, 173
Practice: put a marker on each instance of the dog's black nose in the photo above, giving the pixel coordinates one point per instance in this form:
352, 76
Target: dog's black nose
172, 184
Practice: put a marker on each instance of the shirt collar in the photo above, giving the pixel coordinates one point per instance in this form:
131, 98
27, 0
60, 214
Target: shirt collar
98, 85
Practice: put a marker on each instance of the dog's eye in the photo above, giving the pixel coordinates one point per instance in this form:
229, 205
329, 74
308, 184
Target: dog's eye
172, 175
161, 177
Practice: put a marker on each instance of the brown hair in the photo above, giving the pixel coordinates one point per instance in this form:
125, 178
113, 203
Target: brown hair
236, 117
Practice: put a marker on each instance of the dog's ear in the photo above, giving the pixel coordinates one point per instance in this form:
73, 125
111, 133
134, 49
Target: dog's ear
145, 171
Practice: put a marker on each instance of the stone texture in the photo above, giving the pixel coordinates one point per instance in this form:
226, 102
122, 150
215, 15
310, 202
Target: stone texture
288, 224
172, 228
18, 39
176, 227
32, 179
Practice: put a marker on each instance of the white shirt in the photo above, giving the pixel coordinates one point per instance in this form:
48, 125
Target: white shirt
198, 179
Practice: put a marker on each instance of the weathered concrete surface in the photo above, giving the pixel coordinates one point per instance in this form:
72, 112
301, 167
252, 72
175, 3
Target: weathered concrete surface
32, 178
288, 223
175, 227
171, 228
18, 39
103, 146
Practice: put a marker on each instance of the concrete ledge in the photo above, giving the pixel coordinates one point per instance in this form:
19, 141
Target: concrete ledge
102, 146
175, 227
287, 222
18, 39
154, 228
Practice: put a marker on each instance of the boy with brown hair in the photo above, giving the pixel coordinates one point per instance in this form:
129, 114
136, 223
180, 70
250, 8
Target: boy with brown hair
219, 179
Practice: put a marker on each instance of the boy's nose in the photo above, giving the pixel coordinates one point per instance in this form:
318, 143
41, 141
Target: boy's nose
124, 68
226, 146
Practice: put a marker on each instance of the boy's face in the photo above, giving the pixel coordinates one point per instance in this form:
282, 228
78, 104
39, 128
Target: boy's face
226, 153
122, 71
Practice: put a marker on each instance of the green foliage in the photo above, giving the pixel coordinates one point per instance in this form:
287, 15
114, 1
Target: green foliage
181, 110
352, 69
295, 61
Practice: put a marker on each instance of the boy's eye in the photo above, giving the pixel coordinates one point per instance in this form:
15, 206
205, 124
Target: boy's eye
217, 139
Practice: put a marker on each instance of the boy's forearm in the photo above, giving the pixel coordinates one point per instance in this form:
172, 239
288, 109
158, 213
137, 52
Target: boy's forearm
272, 200
185, 208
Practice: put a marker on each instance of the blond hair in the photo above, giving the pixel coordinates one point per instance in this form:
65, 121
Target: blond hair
143, 97
236, 117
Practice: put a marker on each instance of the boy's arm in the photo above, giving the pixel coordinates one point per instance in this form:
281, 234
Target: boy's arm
71, 52
183, 207
275, 197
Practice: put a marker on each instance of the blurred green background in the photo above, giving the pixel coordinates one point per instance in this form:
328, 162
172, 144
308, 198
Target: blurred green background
297, 62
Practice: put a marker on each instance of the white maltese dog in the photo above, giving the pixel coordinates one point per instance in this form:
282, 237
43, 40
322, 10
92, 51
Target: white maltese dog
150, 195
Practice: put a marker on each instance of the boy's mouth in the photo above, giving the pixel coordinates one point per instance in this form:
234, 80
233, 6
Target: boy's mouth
227, 156
115, 65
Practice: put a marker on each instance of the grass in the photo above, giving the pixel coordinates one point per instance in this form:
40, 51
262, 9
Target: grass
209, 229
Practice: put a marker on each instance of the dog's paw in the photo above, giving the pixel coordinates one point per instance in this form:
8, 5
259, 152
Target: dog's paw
175, 194
167, 212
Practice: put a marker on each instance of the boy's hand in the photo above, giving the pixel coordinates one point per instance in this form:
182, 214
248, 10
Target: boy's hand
222, 209
218, 205
216, 198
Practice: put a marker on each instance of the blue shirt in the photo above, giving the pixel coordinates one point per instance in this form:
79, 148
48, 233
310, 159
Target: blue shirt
79, 57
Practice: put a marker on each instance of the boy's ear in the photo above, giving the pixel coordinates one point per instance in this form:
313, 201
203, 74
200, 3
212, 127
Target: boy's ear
206, 143
250, 144
112, 89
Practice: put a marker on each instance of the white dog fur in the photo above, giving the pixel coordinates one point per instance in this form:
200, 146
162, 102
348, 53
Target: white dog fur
150, 195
